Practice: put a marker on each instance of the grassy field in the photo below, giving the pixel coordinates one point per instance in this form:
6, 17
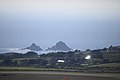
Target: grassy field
110, 67
30, 73
28, 69
40, 75
107, 65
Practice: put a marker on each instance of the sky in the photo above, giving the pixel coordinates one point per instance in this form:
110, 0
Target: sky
81, 24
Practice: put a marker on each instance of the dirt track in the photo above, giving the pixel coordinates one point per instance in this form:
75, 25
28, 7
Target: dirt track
51, 76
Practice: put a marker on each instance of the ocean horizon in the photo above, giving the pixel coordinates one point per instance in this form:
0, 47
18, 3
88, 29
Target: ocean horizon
23, 51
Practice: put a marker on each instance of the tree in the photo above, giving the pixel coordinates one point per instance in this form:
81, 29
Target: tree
8, 62
31, 54
97, 54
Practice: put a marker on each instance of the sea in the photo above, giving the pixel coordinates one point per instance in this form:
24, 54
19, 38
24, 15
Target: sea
23, 51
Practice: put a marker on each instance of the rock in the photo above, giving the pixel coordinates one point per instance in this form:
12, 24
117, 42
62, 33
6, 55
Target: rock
34, 47
60, 46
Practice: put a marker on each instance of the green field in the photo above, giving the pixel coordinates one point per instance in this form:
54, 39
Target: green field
28, 69
114, 65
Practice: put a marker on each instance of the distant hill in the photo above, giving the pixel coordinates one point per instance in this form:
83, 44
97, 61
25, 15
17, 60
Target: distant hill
34, 47
61, 46
98, 60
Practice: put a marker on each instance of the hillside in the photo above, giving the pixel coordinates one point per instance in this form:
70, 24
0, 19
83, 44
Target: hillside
106, 59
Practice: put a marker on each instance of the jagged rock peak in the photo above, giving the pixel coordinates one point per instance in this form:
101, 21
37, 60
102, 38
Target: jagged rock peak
61, 46
60, 43
33, 44
34, 47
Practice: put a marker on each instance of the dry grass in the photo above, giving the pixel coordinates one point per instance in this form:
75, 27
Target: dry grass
36, 75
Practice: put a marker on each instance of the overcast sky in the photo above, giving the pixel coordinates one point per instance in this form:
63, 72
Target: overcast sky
80, 24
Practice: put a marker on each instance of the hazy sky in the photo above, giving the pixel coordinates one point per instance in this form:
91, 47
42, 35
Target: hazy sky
80, 23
